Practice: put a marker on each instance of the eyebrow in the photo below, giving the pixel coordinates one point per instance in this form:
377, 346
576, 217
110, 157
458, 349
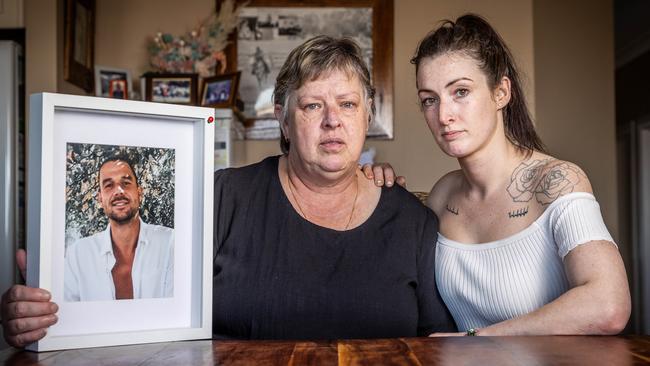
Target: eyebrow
446, 86
457, 80
323, 96
124, 177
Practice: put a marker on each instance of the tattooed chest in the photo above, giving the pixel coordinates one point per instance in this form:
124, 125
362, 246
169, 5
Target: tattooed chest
482, 226
488, 221
513, 212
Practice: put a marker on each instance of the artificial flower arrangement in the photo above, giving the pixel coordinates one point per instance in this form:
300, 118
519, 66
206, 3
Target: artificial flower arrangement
199, 50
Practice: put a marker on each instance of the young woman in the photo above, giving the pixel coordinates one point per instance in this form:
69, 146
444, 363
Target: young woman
522, 247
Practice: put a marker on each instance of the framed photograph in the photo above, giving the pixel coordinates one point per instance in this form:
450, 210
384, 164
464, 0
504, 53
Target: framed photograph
113, 83
220, 91
79, 43
269, 29
117, 89
171, 88
120, 219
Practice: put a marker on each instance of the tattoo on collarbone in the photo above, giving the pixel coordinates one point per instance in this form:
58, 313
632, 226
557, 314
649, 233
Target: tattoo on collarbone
518, 213
453, 210
546, 180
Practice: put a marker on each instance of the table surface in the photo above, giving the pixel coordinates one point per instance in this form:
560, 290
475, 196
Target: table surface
479, 351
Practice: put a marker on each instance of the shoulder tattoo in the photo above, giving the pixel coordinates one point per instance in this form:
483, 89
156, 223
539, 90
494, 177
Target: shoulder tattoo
546, 180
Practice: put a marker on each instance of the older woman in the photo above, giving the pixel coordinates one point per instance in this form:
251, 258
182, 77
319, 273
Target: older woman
305, 245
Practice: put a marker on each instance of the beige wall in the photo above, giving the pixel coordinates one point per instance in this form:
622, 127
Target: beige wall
40, 47
12, 14
44, 49
574, 59
564, 50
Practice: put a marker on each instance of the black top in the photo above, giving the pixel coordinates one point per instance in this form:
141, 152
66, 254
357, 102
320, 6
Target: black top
279, 276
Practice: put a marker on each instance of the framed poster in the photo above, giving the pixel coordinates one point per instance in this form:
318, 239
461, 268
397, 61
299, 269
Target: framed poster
103, 169
79, 43
269, 29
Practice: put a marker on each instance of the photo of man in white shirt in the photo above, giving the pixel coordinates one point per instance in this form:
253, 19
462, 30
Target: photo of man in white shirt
130, 259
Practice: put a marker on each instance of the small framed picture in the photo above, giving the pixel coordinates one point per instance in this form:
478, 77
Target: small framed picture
119, 225
112, 83
171, 88
117, 89
220, 91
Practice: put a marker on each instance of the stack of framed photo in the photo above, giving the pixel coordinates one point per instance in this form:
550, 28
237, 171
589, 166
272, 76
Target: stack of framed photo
216, 92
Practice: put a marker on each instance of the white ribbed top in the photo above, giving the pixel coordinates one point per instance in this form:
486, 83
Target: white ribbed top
487, 283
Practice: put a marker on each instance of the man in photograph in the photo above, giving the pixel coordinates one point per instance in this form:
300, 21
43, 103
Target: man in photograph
117, 89
130, 259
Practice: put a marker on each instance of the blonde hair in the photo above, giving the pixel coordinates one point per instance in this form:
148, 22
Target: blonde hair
316, 56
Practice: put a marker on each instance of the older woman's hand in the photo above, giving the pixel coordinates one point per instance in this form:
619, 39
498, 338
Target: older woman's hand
27, 312
382, 173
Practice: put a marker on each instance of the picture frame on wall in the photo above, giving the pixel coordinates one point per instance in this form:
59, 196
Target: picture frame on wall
220, 91
79, 43
113, 82
171, 88
166, 152
269, 29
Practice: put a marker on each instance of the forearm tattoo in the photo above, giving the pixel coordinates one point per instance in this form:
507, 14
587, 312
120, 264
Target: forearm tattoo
546, 180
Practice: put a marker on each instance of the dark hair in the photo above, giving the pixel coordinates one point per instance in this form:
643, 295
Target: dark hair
314, 57
474, 36
119, 157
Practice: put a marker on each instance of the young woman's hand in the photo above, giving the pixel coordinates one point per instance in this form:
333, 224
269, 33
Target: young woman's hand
382, 174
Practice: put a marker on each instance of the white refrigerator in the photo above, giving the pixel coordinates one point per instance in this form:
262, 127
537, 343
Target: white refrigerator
12, 158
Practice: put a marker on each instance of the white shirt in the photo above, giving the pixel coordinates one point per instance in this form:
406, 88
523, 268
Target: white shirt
487, 283
89, 261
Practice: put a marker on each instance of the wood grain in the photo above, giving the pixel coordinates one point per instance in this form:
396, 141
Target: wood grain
546, 350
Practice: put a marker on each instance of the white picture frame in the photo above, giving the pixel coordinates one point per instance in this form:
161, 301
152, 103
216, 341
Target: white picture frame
57, 120
103, 76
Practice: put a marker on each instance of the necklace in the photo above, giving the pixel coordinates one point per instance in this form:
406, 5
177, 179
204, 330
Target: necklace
354, 202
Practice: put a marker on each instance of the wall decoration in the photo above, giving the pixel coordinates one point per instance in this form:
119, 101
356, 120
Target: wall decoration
199, 50
269, 29
79, 43
171, 88
220, 91
113, 83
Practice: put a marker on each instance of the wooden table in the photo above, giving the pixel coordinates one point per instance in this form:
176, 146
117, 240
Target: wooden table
475, 351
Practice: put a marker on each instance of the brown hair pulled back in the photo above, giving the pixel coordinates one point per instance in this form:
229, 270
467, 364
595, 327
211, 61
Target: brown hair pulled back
473, 35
